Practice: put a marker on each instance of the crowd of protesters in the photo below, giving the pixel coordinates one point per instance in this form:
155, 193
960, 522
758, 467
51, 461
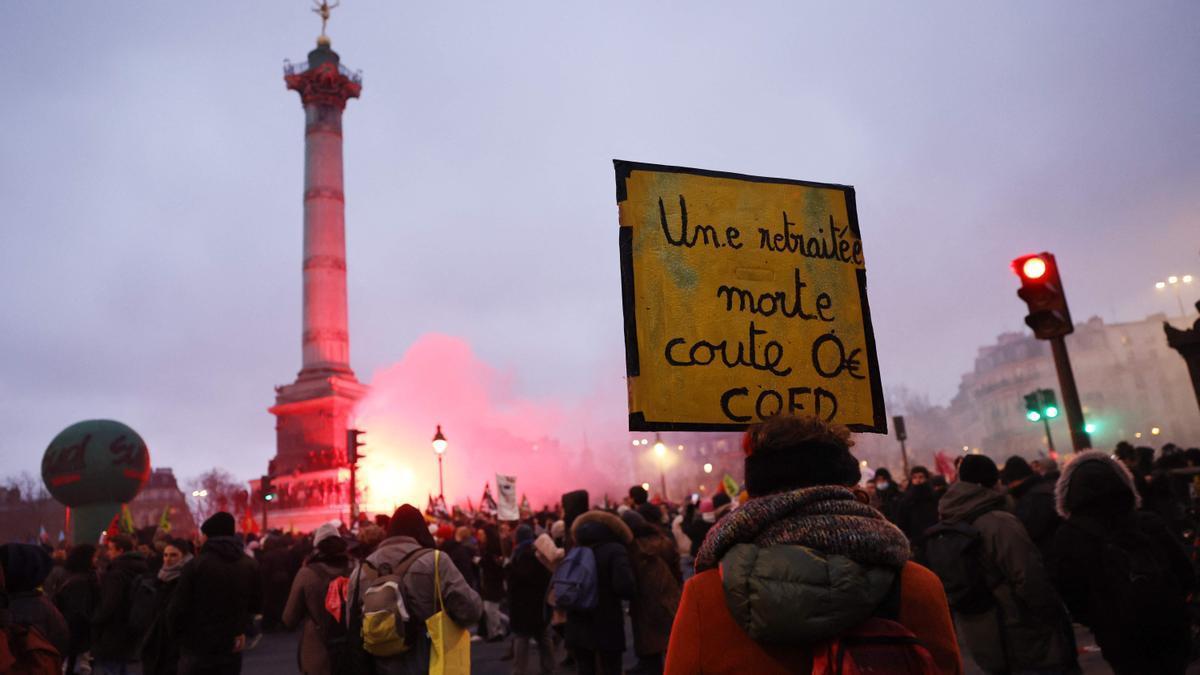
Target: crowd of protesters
809, 567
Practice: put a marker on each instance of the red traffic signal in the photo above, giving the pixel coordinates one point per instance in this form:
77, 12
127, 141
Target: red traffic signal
1042, 290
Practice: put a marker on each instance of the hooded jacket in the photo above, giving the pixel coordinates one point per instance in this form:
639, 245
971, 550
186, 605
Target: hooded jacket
603, 628
1096, 495
215, 599
1026, 630
762, 607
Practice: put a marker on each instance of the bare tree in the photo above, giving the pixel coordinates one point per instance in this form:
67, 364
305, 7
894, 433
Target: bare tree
212, 491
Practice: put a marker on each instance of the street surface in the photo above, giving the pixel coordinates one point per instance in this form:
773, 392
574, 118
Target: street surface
276, 655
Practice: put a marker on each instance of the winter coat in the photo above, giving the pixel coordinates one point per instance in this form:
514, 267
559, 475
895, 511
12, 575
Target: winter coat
1034, 507
277, 566
462, 603
528, 580
708, 638
1095, 494
216, 598
491, 577
32, 608
306, 603
76, 598
160, 653
917, 511
887, 501
1027, 629
112, 637
603, 628
463, 553
655, 561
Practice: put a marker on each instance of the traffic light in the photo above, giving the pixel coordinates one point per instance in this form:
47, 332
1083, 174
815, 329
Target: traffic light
353, 444
1049, 404
266, 489
1041, 404
1042, 290
1033, 407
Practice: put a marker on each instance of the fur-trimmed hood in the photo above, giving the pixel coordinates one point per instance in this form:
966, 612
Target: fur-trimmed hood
1092, 476
613, 523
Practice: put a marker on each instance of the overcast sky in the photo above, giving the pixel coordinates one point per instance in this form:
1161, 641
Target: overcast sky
151, 173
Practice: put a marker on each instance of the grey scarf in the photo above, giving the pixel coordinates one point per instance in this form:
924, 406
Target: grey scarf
170, 573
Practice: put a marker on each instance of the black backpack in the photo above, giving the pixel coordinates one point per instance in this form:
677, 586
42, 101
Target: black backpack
954, 551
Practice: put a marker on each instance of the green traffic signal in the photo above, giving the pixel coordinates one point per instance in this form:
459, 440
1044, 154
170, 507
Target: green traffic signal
1051, 412
1090, 428
1033, 416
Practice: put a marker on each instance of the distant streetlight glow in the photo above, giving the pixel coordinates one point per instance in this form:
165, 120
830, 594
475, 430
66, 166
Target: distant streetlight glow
1160, 285
707, 467
646, 487
1172, 279
1154, 431
1187, 278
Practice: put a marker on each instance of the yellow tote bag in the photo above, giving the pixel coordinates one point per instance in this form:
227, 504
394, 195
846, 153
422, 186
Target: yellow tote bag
450, 653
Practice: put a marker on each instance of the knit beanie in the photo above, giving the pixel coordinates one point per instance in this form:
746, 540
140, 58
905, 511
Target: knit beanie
791, 452
1016, 468
978, 469
220, 524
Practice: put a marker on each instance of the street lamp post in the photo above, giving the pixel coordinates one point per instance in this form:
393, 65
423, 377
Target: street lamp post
1176, 283
660, 449
439, 448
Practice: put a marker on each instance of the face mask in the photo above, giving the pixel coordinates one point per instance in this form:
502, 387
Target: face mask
882, 485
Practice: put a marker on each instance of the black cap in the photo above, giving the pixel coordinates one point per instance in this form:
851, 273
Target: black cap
220, 524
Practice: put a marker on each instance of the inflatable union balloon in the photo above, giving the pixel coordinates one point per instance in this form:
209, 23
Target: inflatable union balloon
96, 462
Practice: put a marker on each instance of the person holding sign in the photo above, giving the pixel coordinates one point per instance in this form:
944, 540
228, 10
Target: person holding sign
755, 605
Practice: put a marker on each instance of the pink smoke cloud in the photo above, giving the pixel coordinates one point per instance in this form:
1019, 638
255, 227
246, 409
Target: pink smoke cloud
490, 427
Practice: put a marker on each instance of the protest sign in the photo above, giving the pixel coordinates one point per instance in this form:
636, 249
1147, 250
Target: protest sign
506, 491
743, 297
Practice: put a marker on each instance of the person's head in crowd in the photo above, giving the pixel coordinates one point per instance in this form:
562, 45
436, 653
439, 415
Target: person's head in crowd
1016, 471
883, 479
25, 566
1126, 455
117, 545
639, 495
979, 469
219, 524
938, 484
81, 559
918, 475
175, 551
651, 513
462, 534
407, 521
789, 452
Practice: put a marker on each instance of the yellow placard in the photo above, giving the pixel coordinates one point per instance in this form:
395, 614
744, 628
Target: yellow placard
744, 297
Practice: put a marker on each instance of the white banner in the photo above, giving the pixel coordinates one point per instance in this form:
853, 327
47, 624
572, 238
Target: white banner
506, 497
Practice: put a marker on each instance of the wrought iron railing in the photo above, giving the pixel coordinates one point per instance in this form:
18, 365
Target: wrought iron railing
290, 68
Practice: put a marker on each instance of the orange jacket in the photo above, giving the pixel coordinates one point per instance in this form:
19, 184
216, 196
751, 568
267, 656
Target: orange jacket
706, 639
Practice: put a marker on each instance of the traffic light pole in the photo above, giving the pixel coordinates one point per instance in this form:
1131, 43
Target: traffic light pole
1080, 440
353, 493
1049, 438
